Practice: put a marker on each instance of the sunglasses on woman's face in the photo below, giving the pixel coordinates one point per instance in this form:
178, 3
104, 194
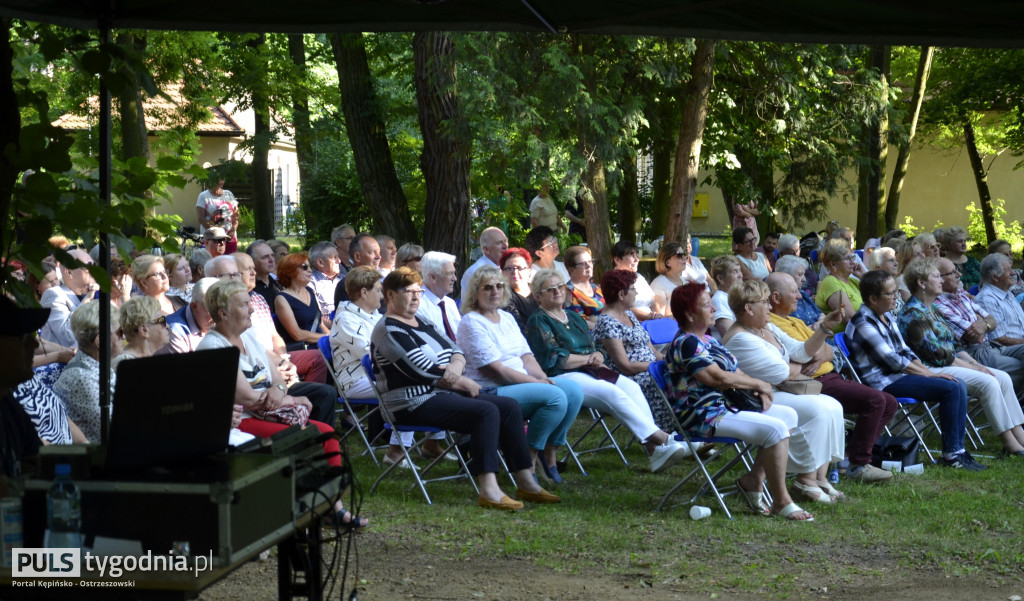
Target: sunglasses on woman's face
499, 286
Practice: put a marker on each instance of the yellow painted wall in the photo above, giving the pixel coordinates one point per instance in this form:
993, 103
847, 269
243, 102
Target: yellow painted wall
938, 187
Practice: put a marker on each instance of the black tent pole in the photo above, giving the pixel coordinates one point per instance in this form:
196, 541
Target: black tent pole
104, 258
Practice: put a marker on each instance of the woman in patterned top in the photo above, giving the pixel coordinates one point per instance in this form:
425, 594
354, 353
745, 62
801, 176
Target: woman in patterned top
583, 295
954, 242
932, 340
562, 345
699, 368
420, 375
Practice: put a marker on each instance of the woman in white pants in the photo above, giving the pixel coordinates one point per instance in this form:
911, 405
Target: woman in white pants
765, 352
561, 342
932, 340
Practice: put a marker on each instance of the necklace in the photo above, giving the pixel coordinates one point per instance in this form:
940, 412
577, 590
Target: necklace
564, 319
753, 331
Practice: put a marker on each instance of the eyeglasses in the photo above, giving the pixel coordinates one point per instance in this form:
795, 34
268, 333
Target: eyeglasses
412, 292
514, 268
234, 275
585, 264
159, 321
682, 254
492, 287
218, 242
305, 266
955, 272
557, 288
892, 294
749, 240
160, 274
551, 243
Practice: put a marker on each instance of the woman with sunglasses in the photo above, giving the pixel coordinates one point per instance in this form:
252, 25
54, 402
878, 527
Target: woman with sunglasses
150, 275
498, 356
299, 321
144, 329
561, 342
583, 295
754, 264
420, 376
675, 269
626, 256
515, 266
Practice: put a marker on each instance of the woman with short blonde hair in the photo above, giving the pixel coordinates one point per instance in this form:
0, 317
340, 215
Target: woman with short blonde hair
151, 277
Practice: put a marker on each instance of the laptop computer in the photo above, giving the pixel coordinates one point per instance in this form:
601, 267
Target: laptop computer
171, 411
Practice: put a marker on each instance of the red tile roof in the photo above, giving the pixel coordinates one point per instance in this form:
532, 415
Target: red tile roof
160, 115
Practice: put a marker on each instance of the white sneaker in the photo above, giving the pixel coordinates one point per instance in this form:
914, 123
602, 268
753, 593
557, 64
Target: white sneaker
667, 455
402, 464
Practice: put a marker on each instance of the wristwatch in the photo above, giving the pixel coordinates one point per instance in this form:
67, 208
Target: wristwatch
280, 387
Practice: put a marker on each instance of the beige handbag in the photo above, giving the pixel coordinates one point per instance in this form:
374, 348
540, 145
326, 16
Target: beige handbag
807, 386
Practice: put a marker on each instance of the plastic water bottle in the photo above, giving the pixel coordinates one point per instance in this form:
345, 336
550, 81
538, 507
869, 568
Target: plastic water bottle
833, 475
63, 511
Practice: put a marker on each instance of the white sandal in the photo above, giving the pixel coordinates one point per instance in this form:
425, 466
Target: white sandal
837, 495
812, 493
788, 511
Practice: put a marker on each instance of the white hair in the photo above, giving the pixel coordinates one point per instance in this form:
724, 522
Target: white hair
433, 262
212, 264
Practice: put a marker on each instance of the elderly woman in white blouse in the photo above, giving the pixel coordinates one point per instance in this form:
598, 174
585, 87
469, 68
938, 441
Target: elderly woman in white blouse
498, 356
766, 353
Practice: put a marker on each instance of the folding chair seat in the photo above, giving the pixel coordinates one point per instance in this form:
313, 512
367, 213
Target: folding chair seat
662, 330
348, 405
905, 409
418, 473
742, 454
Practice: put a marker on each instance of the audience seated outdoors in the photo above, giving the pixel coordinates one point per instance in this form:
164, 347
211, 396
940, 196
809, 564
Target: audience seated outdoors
932, 340
884, 258
561, 342
515, 265
363, 250
907, 252
196, 263
995, 297
766, 353
885, 362
543, 247
699, 368
769, 247
844, 235
144, 328
61, 300
265, 263
726, 271
627, 344
498, 357
436, 307
493, 244
388, 254
120, 281
341, 238
755, 265
954, 244
789, 245
79, 384
420, 375
971, 323
187, 326
873, 408
180, 274
583, 296
323, 258
838, 289
694, 270
49, 279
409, 255
299, 320
797, 268
626, 255
151, 277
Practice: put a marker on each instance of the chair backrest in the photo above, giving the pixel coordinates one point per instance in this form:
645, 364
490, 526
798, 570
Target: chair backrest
973, 290
324, 344
662, 330
695, 246
368, 366
814, 256
859, 253
840, 340
657, 371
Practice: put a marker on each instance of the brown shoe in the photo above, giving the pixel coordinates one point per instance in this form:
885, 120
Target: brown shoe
541, 496
505, 504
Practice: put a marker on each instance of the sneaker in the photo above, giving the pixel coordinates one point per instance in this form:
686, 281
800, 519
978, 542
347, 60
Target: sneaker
963, 461
667, 455
867, 473
402, 463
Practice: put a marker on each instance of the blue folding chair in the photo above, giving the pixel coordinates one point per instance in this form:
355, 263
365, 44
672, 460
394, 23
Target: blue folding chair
657, 370
973, 290
695, 246
347, 405
417, 472
905, 403
662, 330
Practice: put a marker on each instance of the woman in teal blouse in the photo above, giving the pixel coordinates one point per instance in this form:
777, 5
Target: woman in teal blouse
560, 341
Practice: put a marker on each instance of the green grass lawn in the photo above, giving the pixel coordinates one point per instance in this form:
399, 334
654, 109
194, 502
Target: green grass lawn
947, 522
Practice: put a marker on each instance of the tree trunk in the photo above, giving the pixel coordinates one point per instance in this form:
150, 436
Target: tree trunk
10, 128
262, 195
366, 130
134, 133
446, 155
663, 148
629, 200
300, 110
872, 188
691, 134
899, 174
595, 215
981, 180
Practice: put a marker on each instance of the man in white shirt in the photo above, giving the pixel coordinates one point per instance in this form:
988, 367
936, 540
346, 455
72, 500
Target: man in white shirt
188, 325
324, 260
493, 242
996, 277
78, 288
364, 250
438, 271
342, 237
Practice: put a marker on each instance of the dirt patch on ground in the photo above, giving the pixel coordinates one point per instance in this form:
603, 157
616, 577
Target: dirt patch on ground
389, 571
